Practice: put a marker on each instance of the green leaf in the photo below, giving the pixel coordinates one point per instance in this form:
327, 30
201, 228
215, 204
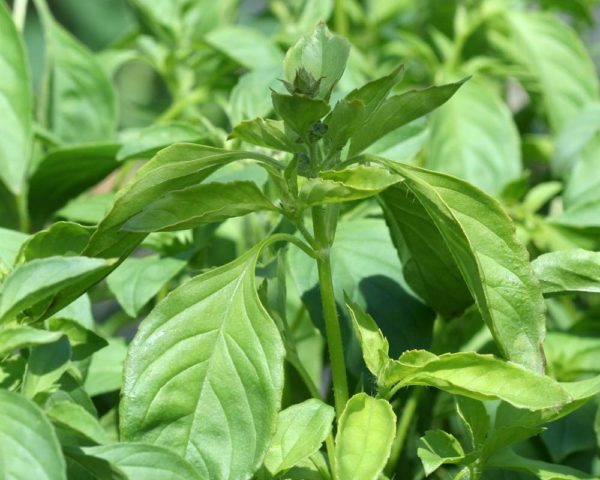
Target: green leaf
299, 112
176, 167
248, 99
301, 429
10, 244
214, 333
481, 377
374, 346
475, 418
137, 280
264, 133
427, 261
16, 106
508, 460
30, 448
552, 52
568, 271
198, 205
322, 55
149, 141
399, 110
84, 342
342, 122
67, 172
570, 356
105, 373
148, 462
437, 448
61, 238
76, 420
83, 103
354, 183
474, 137
14, 338
493, 264
36, 282
364, 438
246, 46
88, 467
45, 365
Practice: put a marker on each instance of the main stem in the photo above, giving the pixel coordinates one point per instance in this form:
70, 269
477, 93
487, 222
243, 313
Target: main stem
332, 325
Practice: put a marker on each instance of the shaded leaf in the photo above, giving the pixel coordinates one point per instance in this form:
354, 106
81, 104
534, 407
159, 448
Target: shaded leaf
264, 133
437, 448
76, 420
568, 271
14, 338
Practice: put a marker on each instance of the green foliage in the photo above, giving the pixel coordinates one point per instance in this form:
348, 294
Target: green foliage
238, 239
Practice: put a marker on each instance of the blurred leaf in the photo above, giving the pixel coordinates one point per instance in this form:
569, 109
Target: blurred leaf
568, 271
264, 133
16, 105
105, 373
10, 244
248, 99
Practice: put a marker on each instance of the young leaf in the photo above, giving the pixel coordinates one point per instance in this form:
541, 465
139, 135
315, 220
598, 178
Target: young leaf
475, 418
38, 281
335, 186
264, 133
374, 346
299, 112
77, 421
494, 265
364, 438
322, 55
198, 205
84, 342
477, 376
61, 238
301, 429
15, 106
212, 332
400, 110
45, 365
568, 271
437, 448
148, 462
474, 137
30, 448
83, 103
342, 122
137, 280
14, 338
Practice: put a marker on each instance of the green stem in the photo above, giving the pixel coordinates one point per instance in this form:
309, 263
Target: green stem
24, 221
332, 326
404, 424
19, 14
340, 19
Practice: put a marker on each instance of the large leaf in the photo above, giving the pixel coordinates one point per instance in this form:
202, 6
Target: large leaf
558, 60
15, 106
301, 429
213, 333
39, 280
30, 448
568, 271
474, 137
477, 376
364, 438
176, 167
198, 205
148, 462
65, 173
399, 110
481, 239
137, 280
83, 104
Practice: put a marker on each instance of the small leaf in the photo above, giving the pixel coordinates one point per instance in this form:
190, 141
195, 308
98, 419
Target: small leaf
299, 112
61, 238
437, 448
374, 346
212, 332
105, 373
321, 54
264, 133
148, 462
475, 418
76, 420
14, 338
15, 106
30, 448
84, 342
198, 205
301, 429
10, 244
481, 377
364, 438
399, 110
88, 467
36, 282
342, 122
568, 271
45, 366
137, 280
355, 183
